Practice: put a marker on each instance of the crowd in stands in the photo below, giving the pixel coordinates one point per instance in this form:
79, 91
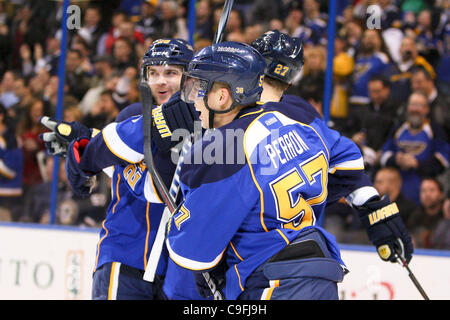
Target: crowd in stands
391, 93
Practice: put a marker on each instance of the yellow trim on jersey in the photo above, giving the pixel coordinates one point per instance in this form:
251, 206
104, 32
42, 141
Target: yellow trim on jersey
253, 112
193, 264
114, 153
154, 189
343, 168
267, 295
111, 280
283, 236
147, 219
117, 193
239, 277
98, 245
250, 165
235, 252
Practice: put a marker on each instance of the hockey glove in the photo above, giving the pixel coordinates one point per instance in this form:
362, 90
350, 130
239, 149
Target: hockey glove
81, 182
173, 115
211, 284
62, 134
386, 230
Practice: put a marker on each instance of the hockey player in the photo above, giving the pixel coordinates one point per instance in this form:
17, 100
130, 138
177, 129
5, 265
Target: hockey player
261, 220
131, 223
283, 53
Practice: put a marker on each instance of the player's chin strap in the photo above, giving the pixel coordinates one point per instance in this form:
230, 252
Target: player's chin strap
212, 111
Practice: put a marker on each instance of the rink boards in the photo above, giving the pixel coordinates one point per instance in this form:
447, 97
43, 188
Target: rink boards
43, 262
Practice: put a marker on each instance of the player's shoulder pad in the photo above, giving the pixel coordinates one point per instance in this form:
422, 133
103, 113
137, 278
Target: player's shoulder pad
129, 111
295, 108
125, 139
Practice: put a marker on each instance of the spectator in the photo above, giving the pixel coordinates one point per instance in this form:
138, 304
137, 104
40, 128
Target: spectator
400, 73
439, 111
77, 79
23, 93
427, 40
28, 132
343, 65
293, 22
124, 55
11, 166
125, 30
418, 148
103, 72
370, 60
38, 82
6, 47
373, 122
252, 32
50, 60
315, 22
173, 25
263, 11
106, 41
92, 30
124, 90
352, 32
424, 220
390, 16
234, 30
103, 112
81, 45
50, 95
149, 22
389, 181
72, 113
204, 24
440, 238
310, 86
7, 96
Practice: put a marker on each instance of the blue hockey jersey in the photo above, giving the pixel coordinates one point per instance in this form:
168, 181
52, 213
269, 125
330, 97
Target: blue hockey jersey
135, 211
131, 224
429, 146
365, 68
262, 179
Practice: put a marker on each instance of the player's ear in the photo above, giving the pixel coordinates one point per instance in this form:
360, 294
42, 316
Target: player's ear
225, 98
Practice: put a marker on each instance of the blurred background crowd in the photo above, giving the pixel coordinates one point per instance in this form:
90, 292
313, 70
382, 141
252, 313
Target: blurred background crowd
391, 93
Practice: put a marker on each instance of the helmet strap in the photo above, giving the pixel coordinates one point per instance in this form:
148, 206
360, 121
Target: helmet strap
212, 112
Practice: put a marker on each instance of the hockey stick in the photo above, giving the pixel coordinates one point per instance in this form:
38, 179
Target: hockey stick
168, 198
223, 21
402, 261
155, 252
168, 212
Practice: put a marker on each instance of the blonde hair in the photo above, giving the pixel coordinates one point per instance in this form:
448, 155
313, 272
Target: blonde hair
318, 51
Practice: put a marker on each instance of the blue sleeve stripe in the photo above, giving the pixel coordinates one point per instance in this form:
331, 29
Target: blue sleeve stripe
192, 264
118, 147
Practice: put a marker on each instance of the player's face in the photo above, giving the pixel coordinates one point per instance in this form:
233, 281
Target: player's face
218, 99
203, 111
164, 81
